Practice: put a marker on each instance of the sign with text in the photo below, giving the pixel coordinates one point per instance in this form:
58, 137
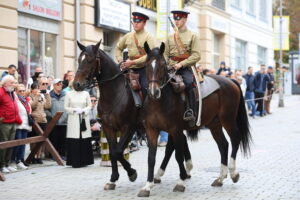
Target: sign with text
51, 9
113, 15
285, 42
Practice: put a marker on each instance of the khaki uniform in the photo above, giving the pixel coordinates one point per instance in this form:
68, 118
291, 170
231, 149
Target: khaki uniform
128, 41
191, 43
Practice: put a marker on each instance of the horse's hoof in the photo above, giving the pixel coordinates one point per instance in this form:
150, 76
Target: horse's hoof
156, 180
179, 188
144, 193
217, 183
2, 177
236, 178
133, 177
109, 186
189, 176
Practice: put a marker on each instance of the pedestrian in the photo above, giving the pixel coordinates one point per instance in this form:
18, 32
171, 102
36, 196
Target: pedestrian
40, 101
67, 78
182, 50
249, 95
22, 129
95, 125
58, 135
11, 70
260, 84
79, 147
134, 42
222, 68
38, 73
270, 89
9, 118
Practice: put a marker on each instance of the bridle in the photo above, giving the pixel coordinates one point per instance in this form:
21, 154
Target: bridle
90, 79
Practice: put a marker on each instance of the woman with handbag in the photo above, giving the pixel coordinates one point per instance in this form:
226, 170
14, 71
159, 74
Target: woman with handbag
79, 147
22, 129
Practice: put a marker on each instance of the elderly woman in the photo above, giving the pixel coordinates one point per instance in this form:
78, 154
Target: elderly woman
22, 129
79, 147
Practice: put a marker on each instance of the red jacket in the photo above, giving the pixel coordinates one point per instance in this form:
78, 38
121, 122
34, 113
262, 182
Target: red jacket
9, 108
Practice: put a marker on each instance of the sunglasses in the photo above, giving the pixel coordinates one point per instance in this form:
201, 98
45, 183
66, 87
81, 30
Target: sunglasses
93, 100
44, 83
21, 90
177, 18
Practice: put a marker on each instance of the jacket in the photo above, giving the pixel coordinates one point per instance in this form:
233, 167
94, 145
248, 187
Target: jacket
260, 82
57, 105
39, 104
249, 82
24, 115
9, 107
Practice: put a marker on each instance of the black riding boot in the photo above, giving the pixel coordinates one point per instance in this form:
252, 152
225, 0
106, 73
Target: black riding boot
191, 108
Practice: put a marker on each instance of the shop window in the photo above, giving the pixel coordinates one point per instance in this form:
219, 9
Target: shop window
240, 54
216, 51
36, 49
261, 55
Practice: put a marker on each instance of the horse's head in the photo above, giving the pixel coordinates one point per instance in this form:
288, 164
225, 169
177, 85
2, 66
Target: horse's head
156, 70
88, 65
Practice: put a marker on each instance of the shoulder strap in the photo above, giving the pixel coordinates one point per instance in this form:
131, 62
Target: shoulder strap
140, 49
177, 38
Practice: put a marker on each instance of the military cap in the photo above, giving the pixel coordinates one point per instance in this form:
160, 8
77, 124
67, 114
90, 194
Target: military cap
178, 14
138, 17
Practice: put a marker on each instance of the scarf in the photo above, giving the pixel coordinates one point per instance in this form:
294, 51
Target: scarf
24, 101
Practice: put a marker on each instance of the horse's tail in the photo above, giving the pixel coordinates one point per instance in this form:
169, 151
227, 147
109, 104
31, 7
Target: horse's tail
193, 134
243, 125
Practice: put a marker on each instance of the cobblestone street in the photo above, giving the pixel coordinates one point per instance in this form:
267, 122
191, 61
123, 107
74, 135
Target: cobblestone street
272, 172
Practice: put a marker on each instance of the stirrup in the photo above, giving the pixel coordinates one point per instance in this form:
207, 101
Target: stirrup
189, 115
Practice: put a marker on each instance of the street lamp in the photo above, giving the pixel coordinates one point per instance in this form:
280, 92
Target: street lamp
281, 102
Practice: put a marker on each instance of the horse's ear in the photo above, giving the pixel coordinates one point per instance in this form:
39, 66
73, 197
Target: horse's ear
96, 47
162, 48
147, 48
81, 46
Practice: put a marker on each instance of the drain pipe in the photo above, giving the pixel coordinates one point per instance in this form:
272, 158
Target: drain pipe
77, 28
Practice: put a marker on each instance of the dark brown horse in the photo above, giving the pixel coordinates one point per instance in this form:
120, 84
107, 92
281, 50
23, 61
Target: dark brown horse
163, 110
116, 106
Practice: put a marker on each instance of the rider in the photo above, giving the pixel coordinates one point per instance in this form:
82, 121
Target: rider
183, 51
134, 42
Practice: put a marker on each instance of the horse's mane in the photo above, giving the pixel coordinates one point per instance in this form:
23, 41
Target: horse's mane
106, 58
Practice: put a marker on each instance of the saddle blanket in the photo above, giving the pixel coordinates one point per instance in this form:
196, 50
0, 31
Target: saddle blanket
208, 86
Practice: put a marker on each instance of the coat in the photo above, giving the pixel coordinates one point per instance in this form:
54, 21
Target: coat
40, 103
73, 100
57, 105
24, 116
9, 107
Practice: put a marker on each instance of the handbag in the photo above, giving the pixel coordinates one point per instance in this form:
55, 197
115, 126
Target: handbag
83, 125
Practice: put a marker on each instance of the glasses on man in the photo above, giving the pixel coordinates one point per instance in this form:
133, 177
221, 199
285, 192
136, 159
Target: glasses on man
93, 100
44, 83
21, 90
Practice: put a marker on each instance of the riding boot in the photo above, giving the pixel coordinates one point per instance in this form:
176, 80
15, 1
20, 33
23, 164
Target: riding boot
189, 113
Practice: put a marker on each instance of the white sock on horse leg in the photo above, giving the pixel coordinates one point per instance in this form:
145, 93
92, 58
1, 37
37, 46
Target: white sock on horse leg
232, 168
159, 173
188, 166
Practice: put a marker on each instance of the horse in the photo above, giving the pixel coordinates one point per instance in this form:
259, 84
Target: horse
116, 107
163, 110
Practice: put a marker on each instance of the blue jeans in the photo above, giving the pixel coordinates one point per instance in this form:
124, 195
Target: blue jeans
163, 136
251, 104
19, 151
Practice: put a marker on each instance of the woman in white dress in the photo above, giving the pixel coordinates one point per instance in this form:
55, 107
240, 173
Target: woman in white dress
79, 147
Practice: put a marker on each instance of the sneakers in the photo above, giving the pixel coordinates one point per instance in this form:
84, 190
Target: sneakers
4, 170
20, 165
11, 169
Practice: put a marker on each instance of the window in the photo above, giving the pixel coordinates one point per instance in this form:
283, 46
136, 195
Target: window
219, 4
240, 55
263, 10
36, 49
216, 51
250, 7
261, 55
236, 3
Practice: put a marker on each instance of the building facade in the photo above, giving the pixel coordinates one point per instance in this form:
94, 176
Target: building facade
44, 32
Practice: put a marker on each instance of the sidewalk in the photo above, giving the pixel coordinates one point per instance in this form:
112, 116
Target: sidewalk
272, 172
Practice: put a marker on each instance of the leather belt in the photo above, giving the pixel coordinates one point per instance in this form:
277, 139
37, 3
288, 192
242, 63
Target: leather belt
135, 57
178, 59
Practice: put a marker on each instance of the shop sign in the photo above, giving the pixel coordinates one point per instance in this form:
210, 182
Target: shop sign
148, 4
113, 15
51, 9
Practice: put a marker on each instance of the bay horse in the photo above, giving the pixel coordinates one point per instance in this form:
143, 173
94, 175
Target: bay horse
164, 109
116, 107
